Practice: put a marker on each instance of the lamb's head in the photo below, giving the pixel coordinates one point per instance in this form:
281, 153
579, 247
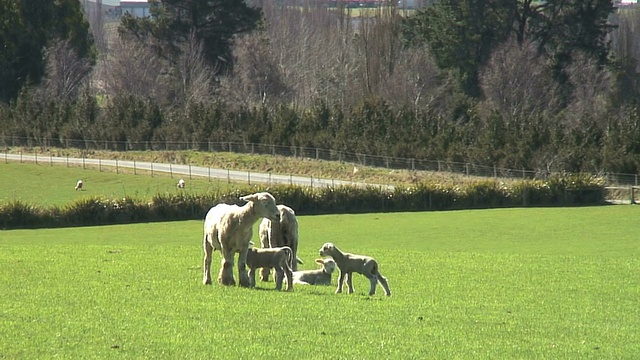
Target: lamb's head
264, 204
328, 265
327, 249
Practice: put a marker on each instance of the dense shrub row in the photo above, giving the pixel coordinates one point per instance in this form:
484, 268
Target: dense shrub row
562, 190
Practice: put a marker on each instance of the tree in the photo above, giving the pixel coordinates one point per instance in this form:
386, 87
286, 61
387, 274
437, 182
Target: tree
462, 34
214, 23
27, 27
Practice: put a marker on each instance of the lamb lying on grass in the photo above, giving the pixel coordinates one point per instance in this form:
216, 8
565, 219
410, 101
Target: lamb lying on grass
316, 277
279, 258
228, 228
350, 263
79, 185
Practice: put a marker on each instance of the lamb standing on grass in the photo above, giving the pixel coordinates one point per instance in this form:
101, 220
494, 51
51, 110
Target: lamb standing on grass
280, 233
228, 228
318, 276
278, 258
350, 263
181, 184
79, 185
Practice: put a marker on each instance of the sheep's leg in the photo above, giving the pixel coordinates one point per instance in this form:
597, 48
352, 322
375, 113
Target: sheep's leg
349, 282
208, 249
242, 268
294, 260
340, 280
384, 283
226, 271
279, 277
264, 274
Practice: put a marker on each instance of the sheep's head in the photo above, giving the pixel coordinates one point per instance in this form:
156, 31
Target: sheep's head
328, 265
327, 249
264, 204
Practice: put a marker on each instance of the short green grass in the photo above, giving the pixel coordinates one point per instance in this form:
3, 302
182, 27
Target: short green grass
54, 185
494, 284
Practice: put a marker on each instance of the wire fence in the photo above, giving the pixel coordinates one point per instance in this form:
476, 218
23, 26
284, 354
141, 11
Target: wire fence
358, 159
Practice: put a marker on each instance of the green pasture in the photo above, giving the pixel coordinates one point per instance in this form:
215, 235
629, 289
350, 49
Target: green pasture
534, 283
54, 185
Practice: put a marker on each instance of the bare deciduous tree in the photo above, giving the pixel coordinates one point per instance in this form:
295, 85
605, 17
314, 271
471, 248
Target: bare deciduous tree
65, 71
194, 76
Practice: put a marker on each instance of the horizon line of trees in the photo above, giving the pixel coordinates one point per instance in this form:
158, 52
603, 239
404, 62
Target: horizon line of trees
545, 86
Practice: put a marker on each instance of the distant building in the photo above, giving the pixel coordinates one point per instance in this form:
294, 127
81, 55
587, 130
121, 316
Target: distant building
114, 9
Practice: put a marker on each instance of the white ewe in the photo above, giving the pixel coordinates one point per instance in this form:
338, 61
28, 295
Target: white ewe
79, 185
278, 258
316, 277
228, 228
280, 233
181, 184
350, 263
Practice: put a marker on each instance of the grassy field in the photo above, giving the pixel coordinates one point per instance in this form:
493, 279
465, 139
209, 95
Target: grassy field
487, 284
54, 185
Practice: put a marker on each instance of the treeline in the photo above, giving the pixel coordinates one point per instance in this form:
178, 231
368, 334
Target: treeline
316, 77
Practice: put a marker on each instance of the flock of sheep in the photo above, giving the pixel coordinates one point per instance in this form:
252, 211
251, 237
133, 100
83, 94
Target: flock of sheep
229, 228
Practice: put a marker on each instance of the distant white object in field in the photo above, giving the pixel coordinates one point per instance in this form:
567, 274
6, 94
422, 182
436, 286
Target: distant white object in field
181, 184
79, 185
355, 170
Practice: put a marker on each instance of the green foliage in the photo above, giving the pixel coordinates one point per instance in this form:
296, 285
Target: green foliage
558, 190
29, 27
214, 23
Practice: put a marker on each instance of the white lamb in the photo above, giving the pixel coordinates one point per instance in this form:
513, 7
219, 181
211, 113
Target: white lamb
280, 233
228, 228
278, 258
79, 185
318, 276
350, 263
181, 184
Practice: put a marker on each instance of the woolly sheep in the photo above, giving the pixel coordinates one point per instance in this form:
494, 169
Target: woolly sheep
181, 184
278, 258
318, 276
79, 185
280, 233
228, 228
350, 263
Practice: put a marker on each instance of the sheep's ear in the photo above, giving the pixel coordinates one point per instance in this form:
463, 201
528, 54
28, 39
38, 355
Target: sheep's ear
251, 243
252, 197
320, 261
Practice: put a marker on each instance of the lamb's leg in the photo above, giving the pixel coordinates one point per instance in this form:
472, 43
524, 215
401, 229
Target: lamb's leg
279, 277
226, 271
340, 280
374, 282
208, 249
264, 272
349, 282
384, 283
242, 268
252, 277
289, 275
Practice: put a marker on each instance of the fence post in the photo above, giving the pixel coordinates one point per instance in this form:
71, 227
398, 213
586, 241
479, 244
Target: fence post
117, 166
134, 168
50, 159
495, 172
466, 168
67, 160
151, 169
249, 177
83, 164
189, 171
228, 177
209, 176
100, 164
171, 170
36, 157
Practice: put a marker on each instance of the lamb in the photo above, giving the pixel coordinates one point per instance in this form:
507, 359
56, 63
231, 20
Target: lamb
316, 277
279, 258
181, 184
280, 233
228, 228
350, 263
79, 185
